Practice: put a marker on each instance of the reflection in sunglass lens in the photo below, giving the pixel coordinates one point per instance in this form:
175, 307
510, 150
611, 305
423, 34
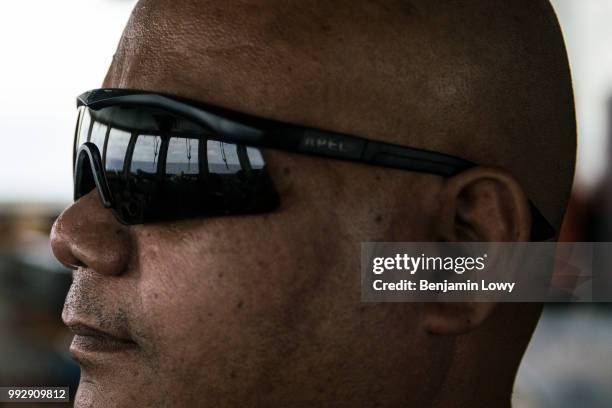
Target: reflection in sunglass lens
116, 150
159, 166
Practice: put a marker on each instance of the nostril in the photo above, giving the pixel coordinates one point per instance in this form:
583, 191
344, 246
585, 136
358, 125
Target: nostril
78, 264
74, 266
62, 251
67, 259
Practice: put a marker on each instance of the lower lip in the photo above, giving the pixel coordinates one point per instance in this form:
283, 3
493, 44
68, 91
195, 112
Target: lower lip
100, 344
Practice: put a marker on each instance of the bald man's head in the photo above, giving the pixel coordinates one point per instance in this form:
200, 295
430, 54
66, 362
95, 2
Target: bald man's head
264, 309
485, 80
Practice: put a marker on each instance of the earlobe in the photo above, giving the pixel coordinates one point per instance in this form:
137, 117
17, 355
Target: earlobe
454, 318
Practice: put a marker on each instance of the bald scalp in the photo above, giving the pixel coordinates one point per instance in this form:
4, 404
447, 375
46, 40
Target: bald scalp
485, 80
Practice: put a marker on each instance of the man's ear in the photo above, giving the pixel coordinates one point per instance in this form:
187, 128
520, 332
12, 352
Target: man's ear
483, 204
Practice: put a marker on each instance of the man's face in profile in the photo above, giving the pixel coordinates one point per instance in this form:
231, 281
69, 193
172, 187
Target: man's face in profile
264, 310
230, 308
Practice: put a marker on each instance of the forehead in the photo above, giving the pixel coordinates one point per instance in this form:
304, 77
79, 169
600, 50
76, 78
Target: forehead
283, 60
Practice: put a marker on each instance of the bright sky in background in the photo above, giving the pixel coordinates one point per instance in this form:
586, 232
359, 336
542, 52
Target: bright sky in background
54, 50
51, 52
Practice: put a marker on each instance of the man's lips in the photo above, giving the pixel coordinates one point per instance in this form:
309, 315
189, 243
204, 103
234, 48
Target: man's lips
88, 339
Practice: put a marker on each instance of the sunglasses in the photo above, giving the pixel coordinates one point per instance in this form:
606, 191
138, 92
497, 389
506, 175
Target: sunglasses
154, 157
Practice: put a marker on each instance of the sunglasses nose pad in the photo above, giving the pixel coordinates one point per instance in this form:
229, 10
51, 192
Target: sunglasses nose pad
89, 174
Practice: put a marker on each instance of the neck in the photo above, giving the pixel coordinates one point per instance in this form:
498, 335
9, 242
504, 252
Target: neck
485, 361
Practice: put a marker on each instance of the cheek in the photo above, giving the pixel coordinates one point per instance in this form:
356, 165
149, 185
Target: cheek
231, 267
199, 273
223, 292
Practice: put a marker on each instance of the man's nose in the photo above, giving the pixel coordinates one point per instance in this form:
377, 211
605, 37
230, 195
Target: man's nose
87, 235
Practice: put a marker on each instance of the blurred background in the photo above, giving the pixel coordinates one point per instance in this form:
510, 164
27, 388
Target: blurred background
51, 52
54, 50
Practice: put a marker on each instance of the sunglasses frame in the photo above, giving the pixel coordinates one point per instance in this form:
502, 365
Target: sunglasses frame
234, 127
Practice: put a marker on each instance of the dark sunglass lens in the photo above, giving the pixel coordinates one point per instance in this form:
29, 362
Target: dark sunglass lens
210, 177
183, 157
159, 166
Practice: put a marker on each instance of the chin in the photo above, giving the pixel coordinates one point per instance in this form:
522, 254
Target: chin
86, 396
98, 394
